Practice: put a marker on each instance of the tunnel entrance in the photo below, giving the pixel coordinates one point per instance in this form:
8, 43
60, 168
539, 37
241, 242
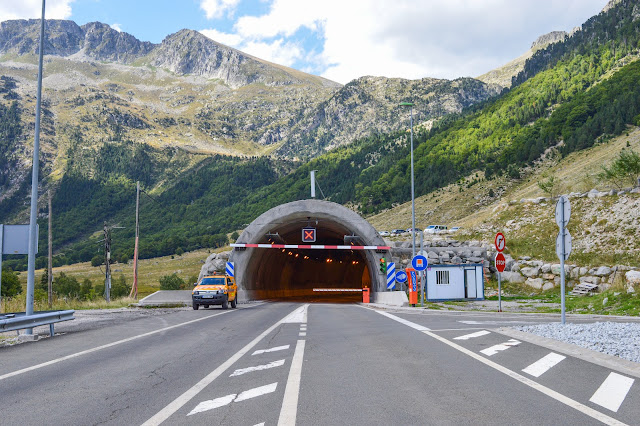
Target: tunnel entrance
280, 269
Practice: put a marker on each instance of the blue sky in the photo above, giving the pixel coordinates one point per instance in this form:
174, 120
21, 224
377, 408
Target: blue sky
341, 39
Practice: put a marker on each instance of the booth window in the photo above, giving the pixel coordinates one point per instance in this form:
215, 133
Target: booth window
442, 277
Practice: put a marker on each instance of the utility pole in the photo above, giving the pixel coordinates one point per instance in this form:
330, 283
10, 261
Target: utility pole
50, 266
134, 288
107, 261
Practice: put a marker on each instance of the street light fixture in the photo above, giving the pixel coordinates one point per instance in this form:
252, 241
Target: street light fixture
413, 198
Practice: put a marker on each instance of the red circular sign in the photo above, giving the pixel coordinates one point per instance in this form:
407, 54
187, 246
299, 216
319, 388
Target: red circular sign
501, 262
500, 241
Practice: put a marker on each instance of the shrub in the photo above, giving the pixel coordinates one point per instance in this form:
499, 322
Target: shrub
179, 251
66, 286
171, 282
86, 290
120, 288
10, 283
96, 260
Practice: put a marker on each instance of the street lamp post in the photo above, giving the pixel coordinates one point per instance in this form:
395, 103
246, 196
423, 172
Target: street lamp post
413, 198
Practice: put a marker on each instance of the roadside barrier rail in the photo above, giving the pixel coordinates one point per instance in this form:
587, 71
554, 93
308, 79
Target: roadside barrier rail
20, 321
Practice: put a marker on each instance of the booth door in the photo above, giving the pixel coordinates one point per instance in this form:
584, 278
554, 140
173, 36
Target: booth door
470, 283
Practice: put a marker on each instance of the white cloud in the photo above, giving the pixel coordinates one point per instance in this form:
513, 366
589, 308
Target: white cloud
217, 8
405, 38
233, 40
30, 9
116, 27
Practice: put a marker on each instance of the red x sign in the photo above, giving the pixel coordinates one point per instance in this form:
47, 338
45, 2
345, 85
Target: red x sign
308, 235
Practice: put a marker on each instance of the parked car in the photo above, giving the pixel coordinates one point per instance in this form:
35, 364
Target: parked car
417, 230
397, 232
454, 229
435, 229
384, 233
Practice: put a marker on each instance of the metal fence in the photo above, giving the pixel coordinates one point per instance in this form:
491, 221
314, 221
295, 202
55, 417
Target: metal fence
20, 321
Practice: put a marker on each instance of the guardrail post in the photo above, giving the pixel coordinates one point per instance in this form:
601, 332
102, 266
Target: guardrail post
51, 333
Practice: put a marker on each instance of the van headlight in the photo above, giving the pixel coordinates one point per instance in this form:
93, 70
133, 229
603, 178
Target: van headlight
196, 292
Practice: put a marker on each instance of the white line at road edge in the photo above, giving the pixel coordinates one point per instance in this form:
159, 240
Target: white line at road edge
108, 345
180, 401
525, 380
289, 409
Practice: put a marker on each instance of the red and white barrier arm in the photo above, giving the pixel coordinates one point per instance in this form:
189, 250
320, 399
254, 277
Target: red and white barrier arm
312, 247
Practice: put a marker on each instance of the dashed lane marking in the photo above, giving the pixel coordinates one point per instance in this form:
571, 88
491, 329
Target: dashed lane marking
189, 394
264, 351
500, 347
522, 379
228, 399
544, 364
241, 371
297, 316
472, 335
612, 391
302, 334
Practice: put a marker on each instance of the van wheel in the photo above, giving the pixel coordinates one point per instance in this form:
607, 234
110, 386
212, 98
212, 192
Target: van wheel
206, 306
225, 304
195, 306
234, 302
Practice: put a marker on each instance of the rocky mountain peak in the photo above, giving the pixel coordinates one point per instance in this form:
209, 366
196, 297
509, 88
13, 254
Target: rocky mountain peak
546, 39
22, 37
104, 43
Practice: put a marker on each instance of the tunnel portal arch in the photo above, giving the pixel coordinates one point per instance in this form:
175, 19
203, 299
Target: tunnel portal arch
268, 273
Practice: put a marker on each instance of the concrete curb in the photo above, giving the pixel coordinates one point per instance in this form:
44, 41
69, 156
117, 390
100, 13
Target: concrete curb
605, 360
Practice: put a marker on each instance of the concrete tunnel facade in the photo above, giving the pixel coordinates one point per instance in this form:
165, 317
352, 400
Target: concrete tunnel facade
268, 273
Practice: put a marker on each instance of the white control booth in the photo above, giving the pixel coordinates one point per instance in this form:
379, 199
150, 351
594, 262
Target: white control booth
455, 282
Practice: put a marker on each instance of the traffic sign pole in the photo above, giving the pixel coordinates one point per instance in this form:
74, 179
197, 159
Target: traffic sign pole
562, 284
499, 293
500, 262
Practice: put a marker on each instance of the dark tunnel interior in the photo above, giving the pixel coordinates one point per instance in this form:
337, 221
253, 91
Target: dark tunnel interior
293, 274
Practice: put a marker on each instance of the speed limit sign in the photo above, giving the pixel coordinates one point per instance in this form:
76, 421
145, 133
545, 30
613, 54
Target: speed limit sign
500, 241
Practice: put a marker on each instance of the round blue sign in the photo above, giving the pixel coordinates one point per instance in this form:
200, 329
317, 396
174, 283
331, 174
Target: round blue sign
401, 277
419, 262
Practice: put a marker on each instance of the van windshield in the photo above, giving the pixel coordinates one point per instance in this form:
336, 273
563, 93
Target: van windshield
431, 226
212, 281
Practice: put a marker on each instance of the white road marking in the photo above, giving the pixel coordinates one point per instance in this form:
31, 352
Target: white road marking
180, 401
497, 322
471, 322
297, 316
302, 334
612, 391
544, 364
264, 351
405, 322
226, 400
289, 409
500, 347
108, 345
522, 379
242, 371
472, 335
252, 393
211, 404
259, 424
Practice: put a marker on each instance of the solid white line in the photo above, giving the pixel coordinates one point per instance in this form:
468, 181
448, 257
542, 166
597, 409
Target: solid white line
242, 371
264, 351
500, 347
211, 404
180, 401
404, 321
472, 335
543, 365
289, 409
525, 380
108, 345
297, 316
612, 392
252, 393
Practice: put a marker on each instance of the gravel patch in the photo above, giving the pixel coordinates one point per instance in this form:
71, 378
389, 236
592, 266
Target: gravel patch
613, 338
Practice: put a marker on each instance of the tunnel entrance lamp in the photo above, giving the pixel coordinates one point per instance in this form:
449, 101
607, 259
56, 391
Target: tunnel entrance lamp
413, 198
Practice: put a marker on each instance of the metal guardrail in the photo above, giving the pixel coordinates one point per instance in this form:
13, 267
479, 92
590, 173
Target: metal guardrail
20, 321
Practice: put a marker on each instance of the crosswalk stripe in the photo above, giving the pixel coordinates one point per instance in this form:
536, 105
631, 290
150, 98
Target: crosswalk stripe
241, 371
612, 391
500, 347
228, 399
472, 335
264, 351
544, 364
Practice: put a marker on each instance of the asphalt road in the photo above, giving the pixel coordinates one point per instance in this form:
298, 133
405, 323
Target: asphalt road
318, 364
